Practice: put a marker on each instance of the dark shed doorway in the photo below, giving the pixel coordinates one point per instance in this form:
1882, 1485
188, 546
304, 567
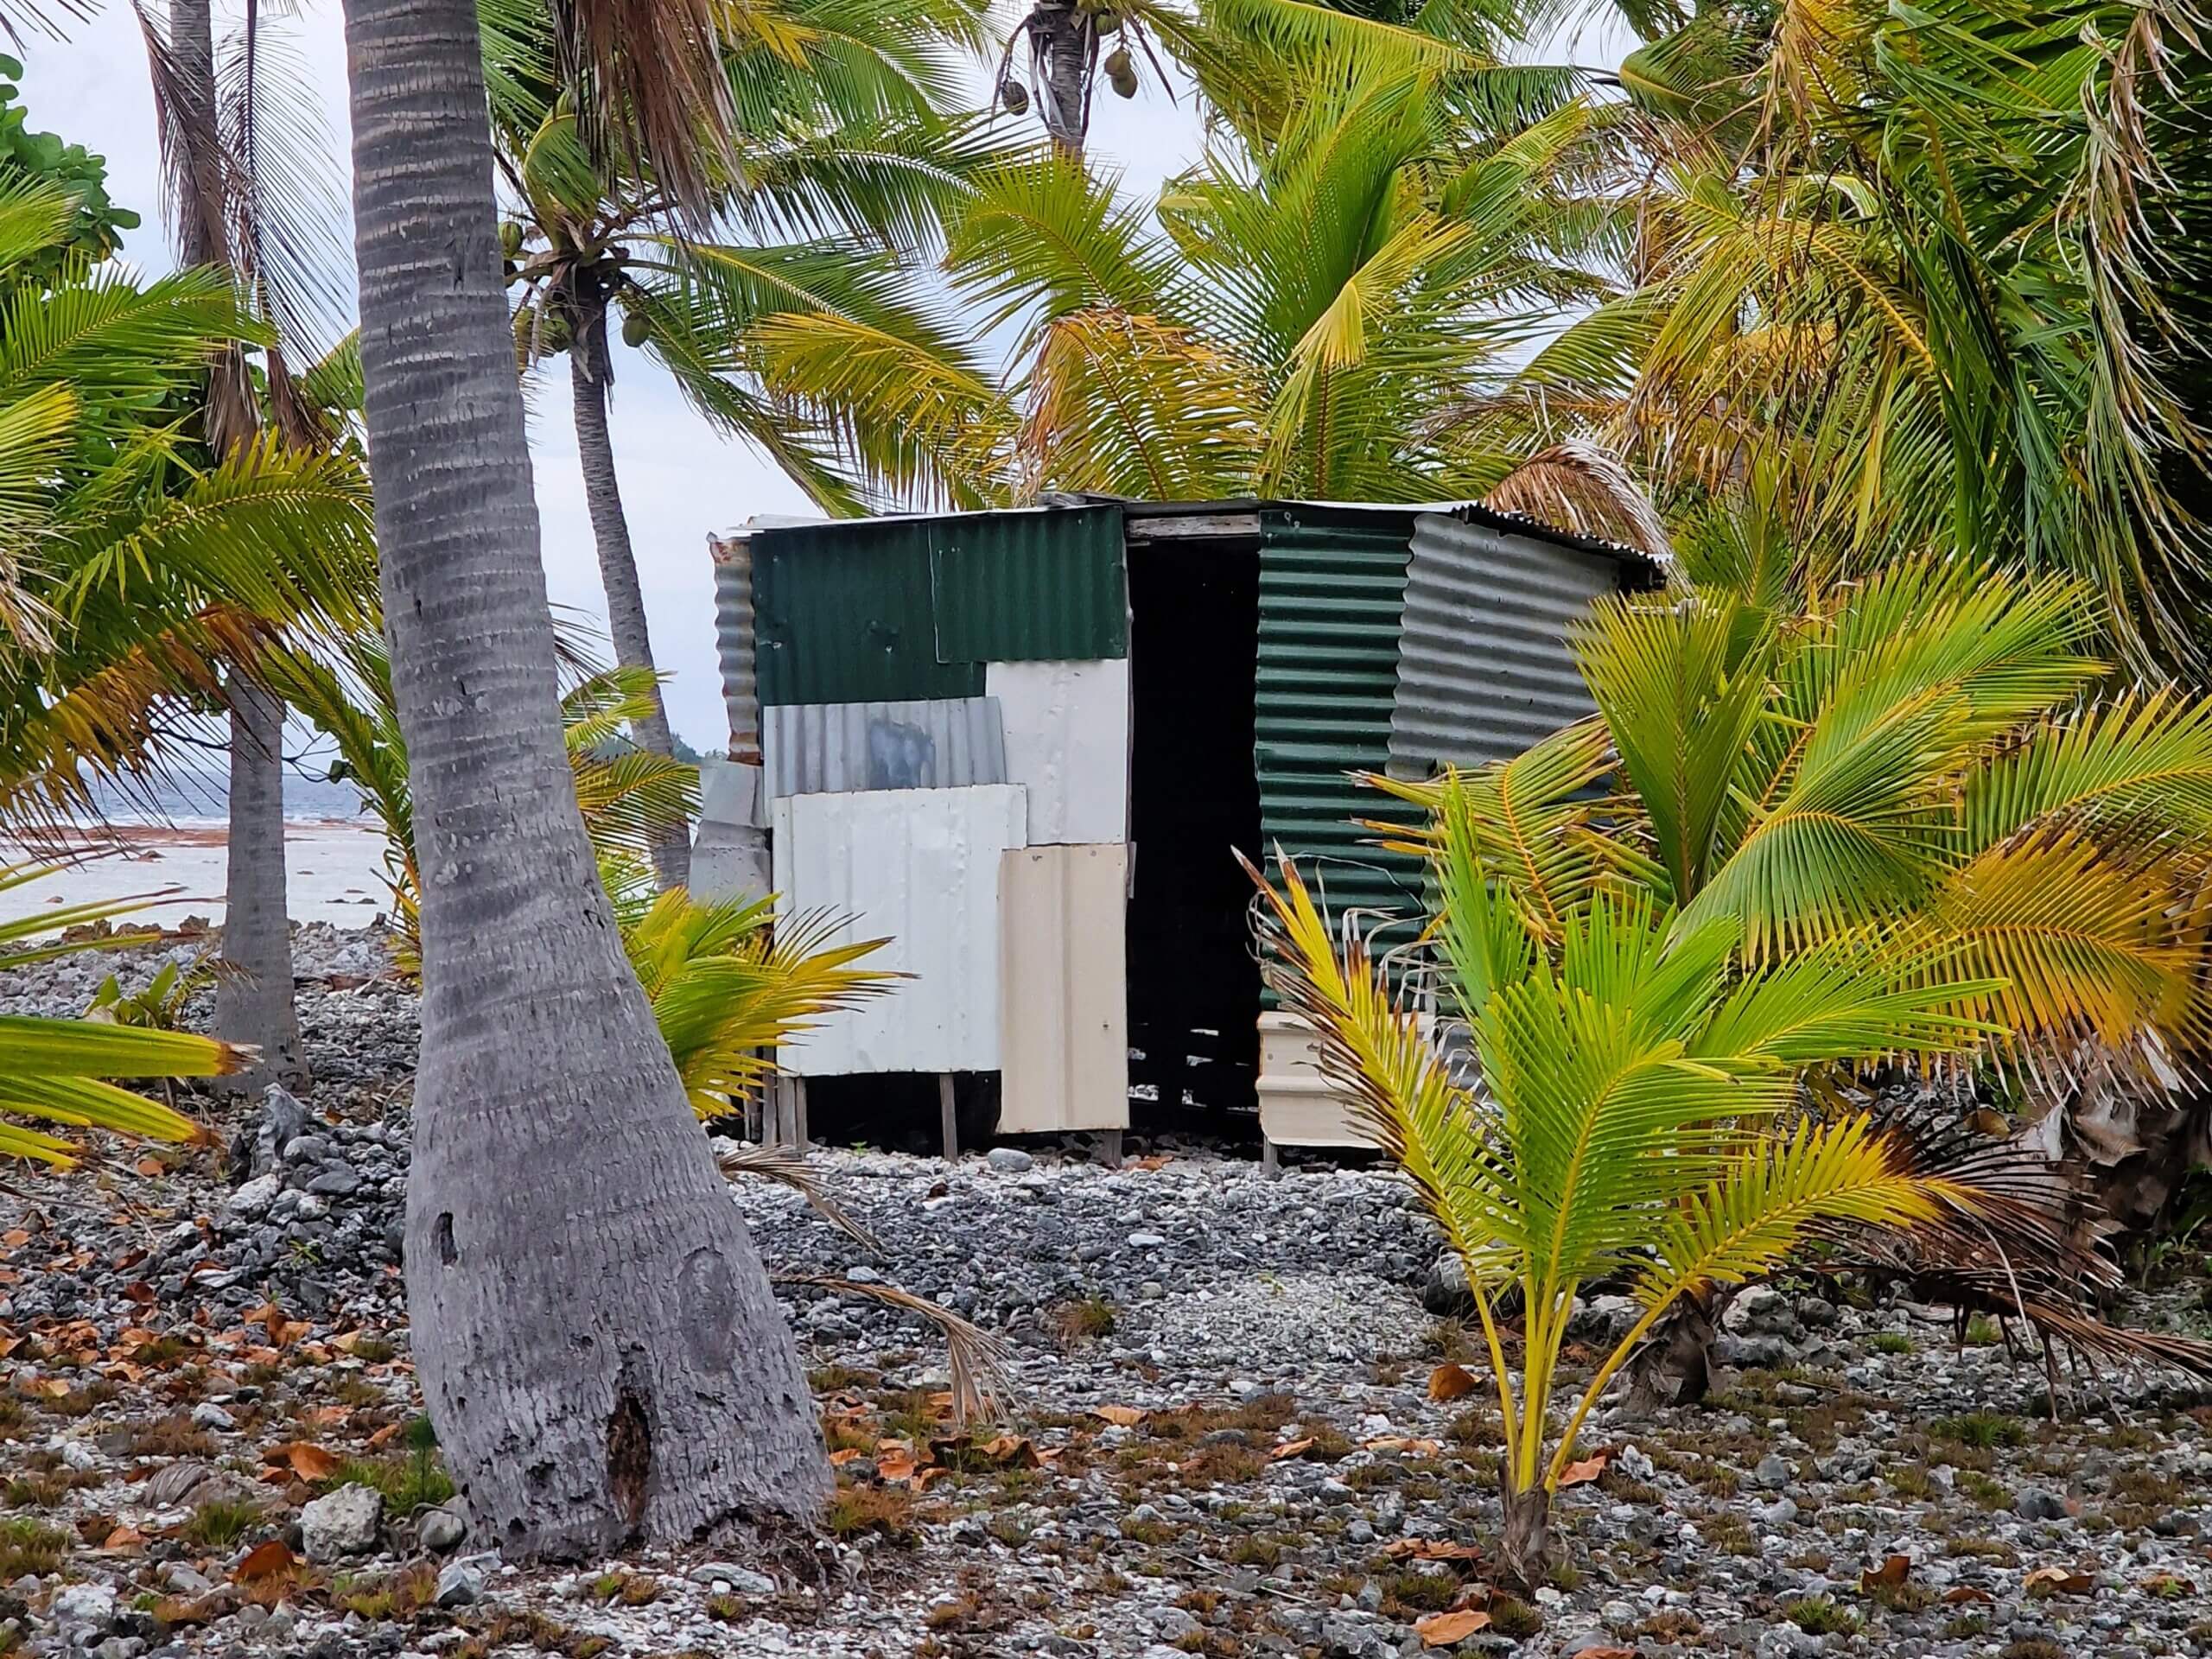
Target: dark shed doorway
1194, 796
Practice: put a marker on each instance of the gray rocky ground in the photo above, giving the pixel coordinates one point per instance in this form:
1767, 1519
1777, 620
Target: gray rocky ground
1222, 1441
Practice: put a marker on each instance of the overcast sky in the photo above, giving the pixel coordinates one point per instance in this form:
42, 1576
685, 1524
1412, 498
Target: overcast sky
679, 480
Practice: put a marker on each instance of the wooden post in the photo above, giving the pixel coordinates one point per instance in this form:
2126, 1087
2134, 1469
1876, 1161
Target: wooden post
798, 1116
948, 1120
1109, 1148
1270, 1159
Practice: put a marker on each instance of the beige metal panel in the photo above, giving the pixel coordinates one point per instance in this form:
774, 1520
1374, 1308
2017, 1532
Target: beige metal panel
1064, 990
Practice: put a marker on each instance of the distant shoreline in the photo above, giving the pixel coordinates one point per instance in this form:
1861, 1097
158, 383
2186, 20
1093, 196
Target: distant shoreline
335, 868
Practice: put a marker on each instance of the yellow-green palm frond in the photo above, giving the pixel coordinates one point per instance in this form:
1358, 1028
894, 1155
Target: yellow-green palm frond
1680, 699
1770, 1198
2141, 763
1129, 405
1530, 823
2081, 945
56, 1070
725, 994
1400, 1090
912, 423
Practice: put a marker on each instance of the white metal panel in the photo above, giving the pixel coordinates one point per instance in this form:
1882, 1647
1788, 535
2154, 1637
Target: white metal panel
1067, 738
1064, 990
922, 867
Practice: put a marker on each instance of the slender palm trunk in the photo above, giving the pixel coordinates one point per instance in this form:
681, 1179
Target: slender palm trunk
1064, 44
594, 1334
1531, 1552
591, 371
253, 1003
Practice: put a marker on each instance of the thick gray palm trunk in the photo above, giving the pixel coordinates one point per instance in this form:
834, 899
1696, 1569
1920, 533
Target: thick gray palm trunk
253, 1003
591, 371
596, 1339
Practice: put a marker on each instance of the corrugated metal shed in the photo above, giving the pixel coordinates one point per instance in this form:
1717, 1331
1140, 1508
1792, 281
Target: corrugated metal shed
923, 866
820, 748
1483, 665
1332, 588
1065, 989
1025, 587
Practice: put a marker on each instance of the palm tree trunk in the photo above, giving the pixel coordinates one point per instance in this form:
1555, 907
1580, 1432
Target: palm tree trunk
594, 1334
253, 1003
591, 370
1531, 1552
1063, 41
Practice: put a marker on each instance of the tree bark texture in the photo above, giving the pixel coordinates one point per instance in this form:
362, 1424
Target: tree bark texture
596, 1339
1064, 51
591, 371
192, 49
253, 1003
253, 1000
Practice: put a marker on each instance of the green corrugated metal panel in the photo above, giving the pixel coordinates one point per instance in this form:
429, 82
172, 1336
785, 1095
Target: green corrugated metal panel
1030, 587
1332, 586
903, 609
843, 615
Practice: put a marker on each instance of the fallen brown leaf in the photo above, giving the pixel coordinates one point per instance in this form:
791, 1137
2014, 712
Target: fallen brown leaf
1450, 1381
1121, 1416
2062, 1580
1582, 1473
124, 1538
307, 1460
1447, 1629
1290, 1449
1431, 1550
264, 1562
1888, 1575
1960, 1595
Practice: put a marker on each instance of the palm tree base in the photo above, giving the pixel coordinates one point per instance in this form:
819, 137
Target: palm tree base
1531, 1553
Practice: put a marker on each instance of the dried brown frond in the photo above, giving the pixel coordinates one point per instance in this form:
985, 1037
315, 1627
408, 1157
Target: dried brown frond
781, 1163
651, 96
982, 1386
1578, 486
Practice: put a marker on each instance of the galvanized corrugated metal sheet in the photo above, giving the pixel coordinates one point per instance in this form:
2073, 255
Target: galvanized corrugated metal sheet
1483, 670
1017, 587
828, 748
734, 644
1067, 742
921, 866
1332, 590
843, 615
1064, 1002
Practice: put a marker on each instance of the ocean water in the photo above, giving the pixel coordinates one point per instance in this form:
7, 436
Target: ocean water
204, 798
172, 858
